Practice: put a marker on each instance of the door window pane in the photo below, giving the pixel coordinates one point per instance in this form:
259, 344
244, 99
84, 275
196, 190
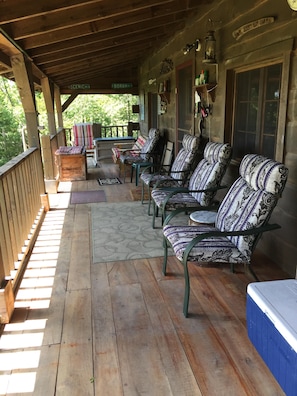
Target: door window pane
256, 111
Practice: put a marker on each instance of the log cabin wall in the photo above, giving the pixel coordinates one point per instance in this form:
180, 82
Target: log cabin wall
275, 41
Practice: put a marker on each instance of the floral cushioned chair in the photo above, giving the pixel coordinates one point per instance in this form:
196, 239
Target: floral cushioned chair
203, 184
241, 219
144, 155
177, 173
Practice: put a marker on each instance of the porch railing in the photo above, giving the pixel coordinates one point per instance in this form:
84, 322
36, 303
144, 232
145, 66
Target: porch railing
22, 185
115, 131
21, 188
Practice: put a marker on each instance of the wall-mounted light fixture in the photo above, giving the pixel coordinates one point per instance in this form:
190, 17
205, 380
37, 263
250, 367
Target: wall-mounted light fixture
152, 81
189, 47
210, 48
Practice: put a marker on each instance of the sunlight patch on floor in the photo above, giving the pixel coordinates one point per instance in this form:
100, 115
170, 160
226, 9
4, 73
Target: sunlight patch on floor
22, 339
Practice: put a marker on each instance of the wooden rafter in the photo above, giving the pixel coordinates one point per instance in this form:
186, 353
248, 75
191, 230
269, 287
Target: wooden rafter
77, 41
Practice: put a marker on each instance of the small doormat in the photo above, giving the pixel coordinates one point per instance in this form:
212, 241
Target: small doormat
85, 197
109, 181
136, 194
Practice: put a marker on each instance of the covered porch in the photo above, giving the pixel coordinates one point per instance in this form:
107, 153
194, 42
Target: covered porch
89, 328
85, 327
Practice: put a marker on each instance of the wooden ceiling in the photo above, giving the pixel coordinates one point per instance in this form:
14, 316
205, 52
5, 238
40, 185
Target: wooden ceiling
91, 43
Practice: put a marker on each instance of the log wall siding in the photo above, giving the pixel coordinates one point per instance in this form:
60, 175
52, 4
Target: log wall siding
21, 184
261, 46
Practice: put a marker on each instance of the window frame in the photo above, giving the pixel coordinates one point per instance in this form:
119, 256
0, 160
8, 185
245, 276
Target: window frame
267, 56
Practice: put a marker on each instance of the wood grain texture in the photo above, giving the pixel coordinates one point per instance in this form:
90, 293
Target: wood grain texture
117, 328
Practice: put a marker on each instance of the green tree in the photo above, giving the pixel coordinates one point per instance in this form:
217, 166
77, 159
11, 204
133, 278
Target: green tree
12, 120
104, 109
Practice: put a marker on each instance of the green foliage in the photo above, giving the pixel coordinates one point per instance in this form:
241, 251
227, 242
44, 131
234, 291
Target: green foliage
11, 121
104, 109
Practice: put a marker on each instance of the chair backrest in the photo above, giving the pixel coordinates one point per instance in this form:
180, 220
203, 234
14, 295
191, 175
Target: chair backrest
183, 161
84, 134
210, 171
167, 156
150, 144
138, 145
251, 199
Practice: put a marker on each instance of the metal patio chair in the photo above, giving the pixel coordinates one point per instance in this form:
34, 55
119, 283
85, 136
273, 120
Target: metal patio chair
241, 219
177, 173
203, 184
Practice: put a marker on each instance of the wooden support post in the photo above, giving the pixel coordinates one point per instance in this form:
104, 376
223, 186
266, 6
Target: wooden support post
48, 94
6, 301
22, 71
45, 202
58, 107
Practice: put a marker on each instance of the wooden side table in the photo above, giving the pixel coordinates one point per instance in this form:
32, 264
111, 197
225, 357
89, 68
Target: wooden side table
71, 162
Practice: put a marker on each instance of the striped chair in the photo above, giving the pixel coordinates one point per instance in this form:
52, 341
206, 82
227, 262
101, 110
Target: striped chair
241, 219
84, 134
178, 173
145, 154
203, 184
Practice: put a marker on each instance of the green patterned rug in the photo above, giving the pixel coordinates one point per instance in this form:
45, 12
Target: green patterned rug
123, 231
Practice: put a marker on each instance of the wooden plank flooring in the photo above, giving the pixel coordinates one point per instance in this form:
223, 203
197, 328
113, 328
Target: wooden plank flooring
117, 328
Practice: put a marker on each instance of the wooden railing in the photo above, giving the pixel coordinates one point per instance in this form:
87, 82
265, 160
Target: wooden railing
49, 145
21, 188
114, 131
119, 130
22, 185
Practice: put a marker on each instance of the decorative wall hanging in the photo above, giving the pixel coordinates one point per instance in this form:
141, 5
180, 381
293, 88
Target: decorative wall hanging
166, 66
238, 33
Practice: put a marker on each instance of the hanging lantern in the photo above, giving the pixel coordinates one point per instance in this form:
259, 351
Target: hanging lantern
210, 48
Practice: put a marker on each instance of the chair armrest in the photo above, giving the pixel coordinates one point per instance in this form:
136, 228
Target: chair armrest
211, 234
119, 145
160, 182
211, 208
128, 150
186, 190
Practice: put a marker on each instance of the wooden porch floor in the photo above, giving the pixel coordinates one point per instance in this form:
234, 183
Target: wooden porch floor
117, 328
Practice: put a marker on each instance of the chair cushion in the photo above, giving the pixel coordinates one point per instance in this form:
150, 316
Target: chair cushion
137, 147
129, 155
251, 199
180, 167
208, 174
83, 135
184, 159
145, 151
216, 249
180, 200
164, 180
150, 144
217, 152
263, 173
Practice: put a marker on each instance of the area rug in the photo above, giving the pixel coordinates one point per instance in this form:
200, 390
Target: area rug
109, 181
123, 231
136, 194
85, 197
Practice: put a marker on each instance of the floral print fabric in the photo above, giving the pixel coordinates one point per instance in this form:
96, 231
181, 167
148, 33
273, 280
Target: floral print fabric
180, 167
249, 203
208, 174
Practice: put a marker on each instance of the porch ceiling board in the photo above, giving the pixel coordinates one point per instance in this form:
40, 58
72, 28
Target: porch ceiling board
79, 42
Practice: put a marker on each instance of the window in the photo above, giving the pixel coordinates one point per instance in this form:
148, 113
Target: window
184, 80
257, 102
